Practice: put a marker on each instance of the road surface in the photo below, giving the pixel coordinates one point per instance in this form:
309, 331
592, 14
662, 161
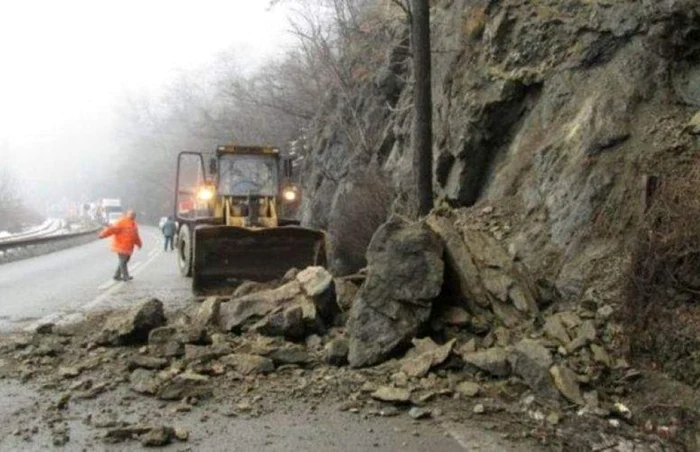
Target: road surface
68, 283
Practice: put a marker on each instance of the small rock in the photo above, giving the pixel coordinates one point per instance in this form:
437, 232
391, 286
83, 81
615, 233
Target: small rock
294, 354
586, 334
555, 329
68, 372
565, 381
424, 398
454, 316
45, 328
249, 287
128, 432
600, 355
345, 293
144, 381
421, 362
147, 362
467, 347
418, 413
62, 401
479, 409
166, 342
156, 437
493, 360
335, 352
622, 411
59, 437
389, 411
182, 408
208, 313
400, 379
290, 275
553, 418
186, 385
468, 389
205, 353
314, 342
368, 386
393, 395
693, 125
248, 364
605, 311
285, 321
181, 433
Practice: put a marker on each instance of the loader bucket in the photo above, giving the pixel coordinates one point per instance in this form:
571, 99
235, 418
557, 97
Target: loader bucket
225, 255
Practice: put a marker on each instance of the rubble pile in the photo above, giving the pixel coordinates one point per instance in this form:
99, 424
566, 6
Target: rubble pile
447, 320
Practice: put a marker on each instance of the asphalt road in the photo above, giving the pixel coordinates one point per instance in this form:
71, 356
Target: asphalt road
65, 284
294, 425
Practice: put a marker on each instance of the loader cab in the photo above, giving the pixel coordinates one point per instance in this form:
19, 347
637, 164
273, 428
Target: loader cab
248, 186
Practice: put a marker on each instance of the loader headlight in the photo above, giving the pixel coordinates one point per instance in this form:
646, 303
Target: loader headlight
290, 193
205, 193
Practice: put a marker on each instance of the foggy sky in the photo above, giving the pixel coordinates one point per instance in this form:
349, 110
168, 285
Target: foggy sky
66, 65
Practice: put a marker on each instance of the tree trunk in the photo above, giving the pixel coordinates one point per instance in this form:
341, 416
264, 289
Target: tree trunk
422, 105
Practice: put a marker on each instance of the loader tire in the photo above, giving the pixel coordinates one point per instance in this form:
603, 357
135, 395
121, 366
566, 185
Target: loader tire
184, 251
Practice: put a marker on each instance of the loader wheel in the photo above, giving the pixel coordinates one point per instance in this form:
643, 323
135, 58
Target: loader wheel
184, 251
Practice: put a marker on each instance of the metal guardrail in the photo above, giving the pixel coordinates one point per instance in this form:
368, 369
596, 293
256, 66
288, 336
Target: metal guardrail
49, 227
24, 242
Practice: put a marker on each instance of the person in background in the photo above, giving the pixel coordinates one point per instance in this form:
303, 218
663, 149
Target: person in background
125, 234
168, 229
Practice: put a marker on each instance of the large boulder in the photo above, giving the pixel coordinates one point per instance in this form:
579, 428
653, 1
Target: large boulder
134, 325
237, 312
405, 275
305, 305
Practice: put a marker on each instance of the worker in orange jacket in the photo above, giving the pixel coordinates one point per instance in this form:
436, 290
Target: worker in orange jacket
126, 236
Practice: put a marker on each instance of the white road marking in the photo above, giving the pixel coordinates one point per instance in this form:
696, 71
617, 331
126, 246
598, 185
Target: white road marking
111, 286
112, 282
455, 435
107, 285
102, 297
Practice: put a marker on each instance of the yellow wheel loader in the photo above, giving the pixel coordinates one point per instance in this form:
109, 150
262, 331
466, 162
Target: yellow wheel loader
229, 218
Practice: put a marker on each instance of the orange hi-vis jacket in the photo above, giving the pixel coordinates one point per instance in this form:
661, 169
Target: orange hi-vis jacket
126, 236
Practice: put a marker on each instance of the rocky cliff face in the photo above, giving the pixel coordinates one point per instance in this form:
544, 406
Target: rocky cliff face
556, 113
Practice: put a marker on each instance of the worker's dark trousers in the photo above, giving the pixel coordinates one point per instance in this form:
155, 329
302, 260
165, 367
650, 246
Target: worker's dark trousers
168, 239
122, 271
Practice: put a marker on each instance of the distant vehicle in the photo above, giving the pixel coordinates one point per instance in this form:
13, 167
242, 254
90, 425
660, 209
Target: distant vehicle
109, 206
113, 217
